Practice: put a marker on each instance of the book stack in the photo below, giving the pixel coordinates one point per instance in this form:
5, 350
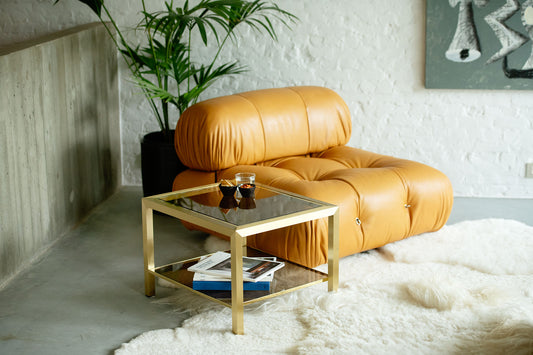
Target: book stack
213, 273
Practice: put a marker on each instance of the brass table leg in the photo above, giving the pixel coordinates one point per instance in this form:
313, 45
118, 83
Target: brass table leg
333, 252
148, 250
237, 299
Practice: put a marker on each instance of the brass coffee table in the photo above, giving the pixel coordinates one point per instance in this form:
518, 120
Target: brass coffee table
270, 209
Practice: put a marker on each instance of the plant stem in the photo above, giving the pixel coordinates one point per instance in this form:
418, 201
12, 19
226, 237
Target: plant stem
189, 61
132, 65
163, 122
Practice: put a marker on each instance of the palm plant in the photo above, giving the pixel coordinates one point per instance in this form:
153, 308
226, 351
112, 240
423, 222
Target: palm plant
163, 66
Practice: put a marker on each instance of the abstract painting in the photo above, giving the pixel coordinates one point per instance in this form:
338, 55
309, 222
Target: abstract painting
479, 44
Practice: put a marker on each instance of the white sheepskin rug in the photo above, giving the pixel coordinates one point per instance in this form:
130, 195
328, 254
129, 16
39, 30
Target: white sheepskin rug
466, 289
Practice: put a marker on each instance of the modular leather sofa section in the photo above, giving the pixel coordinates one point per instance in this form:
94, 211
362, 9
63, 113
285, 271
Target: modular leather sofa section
295, 139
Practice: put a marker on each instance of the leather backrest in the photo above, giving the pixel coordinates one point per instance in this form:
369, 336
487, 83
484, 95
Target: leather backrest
256, 126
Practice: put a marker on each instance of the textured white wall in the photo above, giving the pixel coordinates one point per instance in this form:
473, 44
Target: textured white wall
372, 54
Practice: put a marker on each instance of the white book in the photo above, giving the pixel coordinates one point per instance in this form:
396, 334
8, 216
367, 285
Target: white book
219, 264
209, 282
206, 277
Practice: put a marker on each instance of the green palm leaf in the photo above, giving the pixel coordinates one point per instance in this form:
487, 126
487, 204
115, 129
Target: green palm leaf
95, 5
164, 67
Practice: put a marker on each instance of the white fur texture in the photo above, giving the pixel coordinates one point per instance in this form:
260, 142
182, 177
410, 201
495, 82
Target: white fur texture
213, 244
465, 289
487, 249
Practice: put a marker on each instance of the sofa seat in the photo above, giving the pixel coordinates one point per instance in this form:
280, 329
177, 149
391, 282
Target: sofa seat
381, 199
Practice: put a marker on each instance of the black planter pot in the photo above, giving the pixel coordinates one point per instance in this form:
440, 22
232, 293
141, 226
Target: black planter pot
159, 163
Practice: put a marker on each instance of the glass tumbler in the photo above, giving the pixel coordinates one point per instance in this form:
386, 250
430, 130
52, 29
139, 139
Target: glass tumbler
244, 178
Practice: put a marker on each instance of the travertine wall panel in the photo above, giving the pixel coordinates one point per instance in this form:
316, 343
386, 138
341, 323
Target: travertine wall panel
59, 139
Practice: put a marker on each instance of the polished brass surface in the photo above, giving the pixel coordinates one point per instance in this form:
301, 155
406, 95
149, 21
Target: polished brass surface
148, 249
333, 252
286, 279
273, 208
268, 204
237, 306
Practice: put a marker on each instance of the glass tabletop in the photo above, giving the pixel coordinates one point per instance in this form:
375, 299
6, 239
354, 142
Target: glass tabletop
268, 203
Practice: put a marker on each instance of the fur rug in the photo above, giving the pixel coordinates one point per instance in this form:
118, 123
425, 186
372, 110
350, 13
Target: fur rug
467, 288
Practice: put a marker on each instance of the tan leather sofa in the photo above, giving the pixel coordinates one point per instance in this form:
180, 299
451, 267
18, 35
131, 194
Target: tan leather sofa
295, 139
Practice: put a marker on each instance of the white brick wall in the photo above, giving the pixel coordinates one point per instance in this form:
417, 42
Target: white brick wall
372, 54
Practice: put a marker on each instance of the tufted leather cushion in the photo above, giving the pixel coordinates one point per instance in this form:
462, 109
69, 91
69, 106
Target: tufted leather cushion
382, 199
261, 125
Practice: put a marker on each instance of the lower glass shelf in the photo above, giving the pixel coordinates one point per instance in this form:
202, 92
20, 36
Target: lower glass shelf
289, 278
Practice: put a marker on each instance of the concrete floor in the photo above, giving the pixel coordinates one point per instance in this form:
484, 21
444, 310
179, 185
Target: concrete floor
85, 295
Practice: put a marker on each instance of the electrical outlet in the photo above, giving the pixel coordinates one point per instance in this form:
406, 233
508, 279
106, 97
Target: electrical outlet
529, 170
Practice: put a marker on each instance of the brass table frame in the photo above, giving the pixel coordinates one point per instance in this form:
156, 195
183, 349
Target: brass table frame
237, 235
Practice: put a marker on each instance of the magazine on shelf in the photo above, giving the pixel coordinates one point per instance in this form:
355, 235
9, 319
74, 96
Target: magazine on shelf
205, 282
219, 264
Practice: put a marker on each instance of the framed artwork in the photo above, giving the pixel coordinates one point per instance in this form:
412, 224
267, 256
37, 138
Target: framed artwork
479, 44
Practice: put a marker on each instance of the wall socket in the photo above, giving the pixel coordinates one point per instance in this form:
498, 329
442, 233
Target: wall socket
529, 170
